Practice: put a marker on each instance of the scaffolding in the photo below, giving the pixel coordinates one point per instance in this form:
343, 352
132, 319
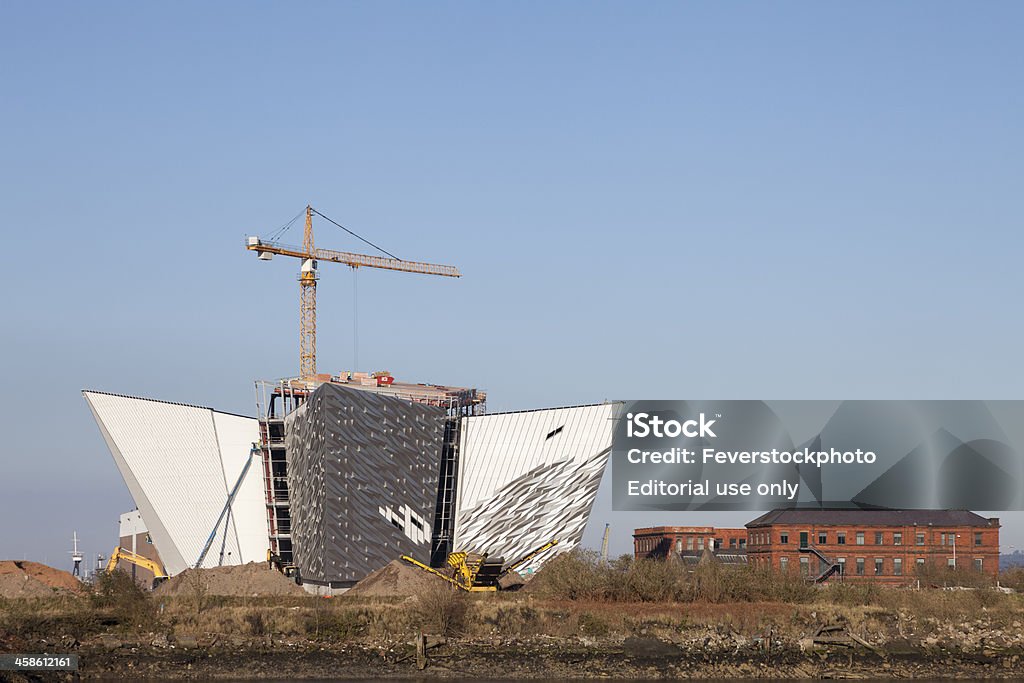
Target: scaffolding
275, 399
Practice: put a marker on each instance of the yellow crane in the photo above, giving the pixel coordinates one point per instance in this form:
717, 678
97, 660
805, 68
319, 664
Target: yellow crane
309, 254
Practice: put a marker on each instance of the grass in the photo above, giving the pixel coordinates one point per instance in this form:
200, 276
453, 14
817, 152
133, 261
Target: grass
575, 596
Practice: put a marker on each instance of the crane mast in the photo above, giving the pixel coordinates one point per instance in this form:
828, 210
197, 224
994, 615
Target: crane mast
307, 302
308, 276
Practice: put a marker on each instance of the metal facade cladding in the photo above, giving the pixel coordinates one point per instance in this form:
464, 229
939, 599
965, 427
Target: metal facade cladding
362, 479
526, 478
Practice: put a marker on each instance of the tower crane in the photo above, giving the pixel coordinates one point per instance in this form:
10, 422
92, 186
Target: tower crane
309, 254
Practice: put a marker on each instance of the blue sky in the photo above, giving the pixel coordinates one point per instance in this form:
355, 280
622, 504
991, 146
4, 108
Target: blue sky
657, 200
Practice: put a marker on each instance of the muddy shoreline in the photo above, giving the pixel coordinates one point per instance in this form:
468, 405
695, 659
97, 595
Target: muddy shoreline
535, 658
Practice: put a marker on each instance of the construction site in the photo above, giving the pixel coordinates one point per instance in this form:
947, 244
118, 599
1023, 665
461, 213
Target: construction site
339, 474
362, 524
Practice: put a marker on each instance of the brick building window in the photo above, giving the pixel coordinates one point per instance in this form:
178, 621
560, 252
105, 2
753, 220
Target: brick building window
920, 562
977, 538
783, 538
732, 542
879, 538
943, 539
700, 543
805, 566
841, 538
879, 564
920, 539
860, 566
822, 538
860, 538
689, 542
897, 566
979, 564
784, 564
951, 563
897, 538
841, 561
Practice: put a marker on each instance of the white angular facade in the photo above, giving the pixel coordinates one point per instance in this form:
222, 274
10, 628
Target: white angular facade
180, 462
526, 478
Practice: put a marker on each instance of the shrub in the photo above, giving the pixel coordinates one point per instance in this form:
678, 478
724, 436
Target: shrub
1013, 578
256, 621
575, 575
648, 581
442, 608
931, 575
130, 604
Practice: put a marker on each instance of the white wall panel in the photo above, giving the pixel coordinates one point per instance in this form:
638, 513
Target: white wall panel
528, 477
235, 437
170, 456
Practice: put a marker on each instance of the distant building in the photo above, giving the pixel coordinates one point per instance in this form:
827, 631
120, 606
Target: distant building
689, 543
880, 545
134, 536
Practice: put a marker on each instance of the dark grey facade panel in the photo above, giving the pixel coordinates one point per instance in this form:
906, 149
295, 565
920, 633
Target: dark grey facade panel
363, 481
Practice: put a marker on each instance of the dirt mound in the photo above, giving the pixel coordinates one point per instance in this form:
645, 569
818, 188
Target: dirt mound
512, 581
395, 578
24, 579
243, 579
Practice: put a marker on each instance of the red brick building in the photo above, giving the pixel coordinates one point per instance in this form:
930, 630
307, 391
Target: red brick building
661, 541
880, 545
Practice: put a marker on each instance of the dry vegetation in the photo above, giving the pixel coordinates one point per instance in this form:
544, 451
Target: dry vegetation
574, 596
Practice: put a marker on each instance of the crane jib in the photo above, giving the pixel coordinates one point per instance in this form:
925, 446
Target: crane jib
356, 260
309, 254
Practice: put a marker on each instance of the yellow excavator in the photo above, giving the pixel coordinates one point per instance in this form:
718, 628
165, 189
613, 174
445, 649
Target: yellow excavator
477, 572
159, 575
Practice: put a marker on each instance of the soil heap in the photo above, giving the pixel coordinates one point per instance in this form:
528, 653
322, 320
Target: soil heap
251, 579
24, 579
397, 578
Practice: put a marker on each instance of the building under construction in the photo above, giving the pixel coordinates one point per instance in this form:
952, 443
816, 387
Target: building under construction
339, 475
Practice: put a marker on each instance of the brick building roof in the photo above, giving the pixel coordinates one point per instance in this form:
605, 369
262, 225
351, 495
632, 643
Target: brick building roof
847, 517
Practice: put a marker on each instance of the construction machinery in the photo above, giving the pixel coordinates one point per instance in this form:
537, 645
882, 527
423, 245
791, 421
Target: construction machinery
159, 575
477, 572
310, 256
275, 561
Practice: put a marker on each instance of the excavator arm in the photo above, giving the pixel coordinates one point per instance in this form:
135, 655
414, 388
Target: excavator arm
159, 575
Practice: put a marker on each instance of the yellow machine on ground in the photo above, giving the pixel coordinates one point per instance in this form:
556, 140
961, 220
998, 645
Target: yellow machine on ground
159, 575
289, 570
476, 571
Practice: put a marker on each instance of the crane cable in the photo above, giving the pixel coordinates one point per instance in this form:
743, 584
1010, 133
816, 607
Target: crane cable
355, 320
279, 233
359, 237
